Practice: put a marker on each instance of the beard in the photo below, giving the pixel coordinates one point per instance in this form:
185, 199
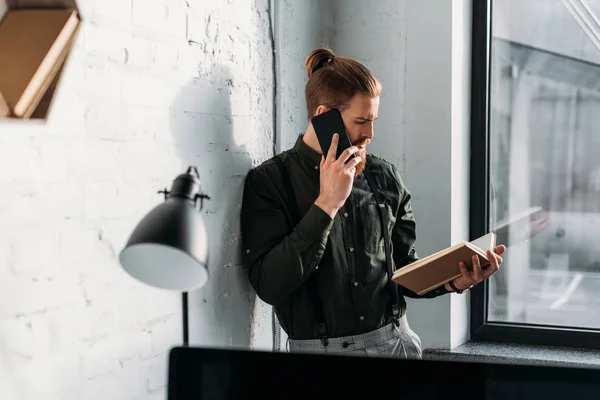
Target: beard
360, 167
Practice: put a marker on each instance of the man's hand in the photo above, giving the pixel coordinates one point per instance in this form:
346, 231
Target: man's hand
478, 274
336, 177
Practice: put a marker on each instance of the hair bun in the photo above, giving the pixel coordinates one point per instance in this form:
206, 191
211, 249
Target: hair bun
316, 59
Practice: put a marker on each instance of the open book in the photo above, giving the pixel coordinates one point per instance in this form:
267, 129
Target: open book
435, 270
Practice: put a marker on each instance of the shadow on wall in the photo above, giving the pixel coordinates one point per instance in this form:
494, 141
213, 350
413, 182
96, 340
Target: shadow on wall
202, 125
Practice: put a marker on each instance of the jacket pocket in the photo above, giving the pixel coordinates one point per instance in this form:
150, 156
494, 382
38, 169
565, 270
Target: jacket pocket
370, 228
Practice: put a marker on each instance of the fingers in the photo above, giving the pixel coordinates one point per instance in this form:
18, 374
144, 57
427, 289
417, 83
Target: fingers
500, 249
494, 265
463, 270
333, 147
466, 279
347, 153
477, 274
353, 163
498, 258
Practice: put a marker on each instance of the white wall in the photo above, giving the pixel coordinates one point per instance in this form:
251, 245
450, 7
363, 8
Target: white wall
460, 150
419, 50
427, 148
137, 105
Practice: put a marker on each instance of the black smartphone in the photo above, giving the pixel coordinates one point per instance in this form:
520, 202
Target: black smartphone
325, 125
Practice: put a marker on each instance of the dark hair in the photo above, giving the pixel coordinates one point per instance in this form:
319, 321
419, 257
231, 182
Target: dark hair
333, 81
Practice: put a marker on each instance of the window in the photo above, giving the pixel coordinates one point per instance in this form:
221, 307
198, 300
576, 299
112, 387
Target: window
535, 169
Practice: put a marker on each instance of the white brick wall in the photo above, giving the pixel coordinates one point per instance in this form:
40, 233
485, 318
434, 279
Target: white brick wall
137, 105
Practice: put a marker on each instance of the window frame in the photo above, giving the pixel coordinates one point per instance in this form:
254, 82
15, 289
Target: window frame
480, 328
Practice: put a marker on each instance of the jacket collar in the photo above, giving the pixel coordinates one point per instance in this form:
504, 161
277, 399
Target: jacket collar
308, 155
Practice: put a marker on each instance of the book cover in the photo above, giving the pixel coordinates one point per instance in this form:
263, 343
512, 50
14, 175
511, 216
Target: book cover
435, 270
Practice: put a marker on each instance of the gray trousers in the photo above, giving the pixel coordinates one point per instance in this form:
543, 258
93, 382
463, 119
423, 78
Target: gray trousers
388, 341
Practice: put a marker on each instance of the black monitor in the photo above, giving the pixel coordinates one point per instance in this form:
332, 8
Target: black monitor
203, 373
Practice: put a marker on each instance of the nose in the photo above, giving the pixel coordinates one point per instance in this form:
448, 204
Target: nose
369, 131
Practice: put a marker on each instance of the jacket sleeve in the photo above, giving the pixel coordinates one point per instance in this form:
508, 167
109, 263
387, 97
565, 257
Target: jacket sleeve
404, 237
279, 257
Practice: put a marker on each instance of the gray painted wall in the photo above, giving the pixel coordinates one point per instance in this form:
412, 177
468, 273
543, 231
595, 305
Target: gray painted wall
377, 37
410, 45
303, 27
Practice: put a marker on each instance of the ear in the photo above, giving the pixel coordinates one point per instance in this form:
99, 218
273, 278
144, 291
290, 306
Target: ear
321, 109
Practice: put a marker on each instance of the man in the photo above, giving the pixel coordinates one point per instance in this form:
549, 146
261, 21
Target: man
312, 229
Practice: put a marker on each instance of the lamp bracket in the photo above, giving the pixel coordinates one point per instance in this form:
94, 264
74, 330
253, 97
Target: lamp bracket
192, 170
201, 197
187, 186
165, 192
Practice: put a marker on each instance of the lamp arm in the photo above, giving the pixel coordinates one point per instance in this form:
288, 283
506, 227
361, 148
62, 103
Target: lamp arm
201, 197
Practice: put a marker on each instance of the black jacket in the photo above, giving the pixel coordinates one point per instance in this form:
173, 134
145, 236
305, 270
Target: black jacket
348, 250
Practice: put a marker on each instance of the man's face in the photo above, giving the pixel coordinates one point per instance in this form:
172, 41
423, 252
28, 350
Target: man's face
359, 117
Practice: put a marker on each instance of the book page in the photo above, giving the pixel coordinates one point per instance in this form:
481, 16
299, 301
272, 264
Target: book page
519, 217
3, 9
485, 242
4, 109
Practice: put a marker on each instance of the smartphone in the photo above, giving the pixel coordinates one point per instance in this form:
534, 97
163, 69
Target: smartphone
325, 125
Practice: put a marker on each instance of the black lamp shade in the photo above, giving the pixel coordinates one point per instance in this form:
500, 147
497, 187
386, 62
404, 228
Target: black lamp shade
168, 249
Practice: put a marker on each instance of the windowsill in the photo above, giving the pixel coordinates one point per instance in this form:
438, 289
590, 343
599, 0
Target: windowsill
507, 353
